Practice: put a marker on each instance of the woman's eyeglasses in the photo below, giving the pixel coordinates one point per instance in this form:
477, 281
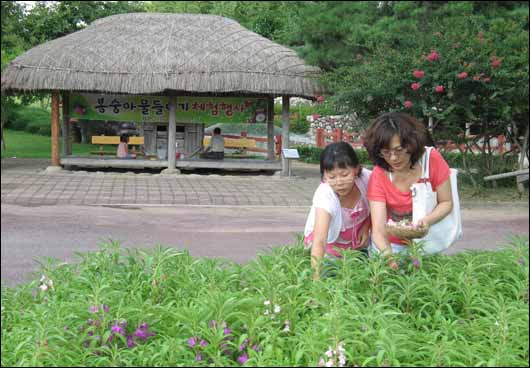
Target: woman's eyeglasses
387, 153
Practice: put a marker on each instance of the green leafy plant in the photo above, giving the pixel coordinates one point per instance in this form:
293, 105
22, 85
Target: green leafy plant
134, 307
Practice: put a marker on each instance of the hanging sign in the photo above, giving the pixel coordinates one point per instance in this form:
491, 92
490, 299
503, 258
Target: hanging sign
136, 108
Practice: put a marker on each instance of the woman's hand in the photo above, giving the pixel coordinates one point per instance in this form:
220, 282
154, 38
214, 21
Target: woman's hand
424, 222
363, 236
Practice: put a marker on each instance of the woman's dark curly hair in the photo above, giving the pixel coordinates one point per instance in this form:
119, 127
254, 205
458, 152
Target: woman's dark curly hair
412, 134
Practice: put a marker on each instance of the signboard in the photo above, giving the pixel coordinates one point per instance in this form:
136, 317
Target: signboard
135, 108
290, 153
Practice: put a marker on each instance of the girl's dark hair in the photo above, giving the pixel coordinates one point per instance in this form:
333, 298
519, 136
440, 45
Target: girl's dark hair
123, 138
412, 134
338, 155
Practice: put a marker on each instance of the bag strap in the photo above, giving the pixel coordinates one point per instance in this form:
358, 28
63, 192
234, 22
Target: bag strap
425, 163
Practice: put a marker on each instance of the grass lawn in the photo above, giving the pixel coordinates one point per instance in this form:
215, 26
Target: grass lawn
24, 145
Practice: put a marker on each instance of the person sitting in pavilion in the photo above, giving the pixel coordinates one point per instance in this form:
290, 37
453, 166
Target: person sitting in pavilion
216, 148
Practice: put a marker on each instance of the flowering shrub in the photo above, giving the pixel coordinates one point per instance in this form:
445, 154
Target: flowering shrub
165, 308
348, 123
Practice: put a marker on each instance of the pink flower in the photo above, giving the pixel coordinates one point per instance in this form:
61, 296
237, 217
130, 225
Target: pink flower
418, 73
433, 56
495, 63
462, 75
320, 99
440, 89
486, 80
415, 86
408, 104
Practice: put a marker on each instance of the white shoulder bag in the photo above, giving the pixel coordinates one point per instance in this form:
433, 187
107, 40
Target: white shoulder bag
449, 229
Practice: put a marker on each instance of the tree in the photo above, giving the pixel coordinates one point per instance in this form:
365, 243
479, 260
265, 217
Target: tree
374, 70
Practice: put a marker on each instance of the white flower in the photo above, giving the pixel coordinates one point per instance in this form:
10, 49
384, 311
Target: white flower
329, 353
342, 361
277, 308
50, 284
266, 313
43, 287
267, 302
329, 363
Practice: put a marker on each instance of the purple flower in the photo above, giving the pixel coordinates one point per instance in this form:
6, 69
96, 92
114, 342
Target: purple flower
198, 357
142, 334
93, 309
256, 348
130, 342
243, 358
65, 328
105, 308
117, 329
144, 326
204, 343
90, 322
123, 324
244, 345
227, 331
192, 341
90, 333
212, 324
521, 261
416, 263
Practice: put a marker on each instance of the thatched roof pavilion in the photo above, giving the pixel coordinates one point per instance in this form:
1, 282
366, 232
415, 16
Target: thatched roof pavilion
161, 54
146, 53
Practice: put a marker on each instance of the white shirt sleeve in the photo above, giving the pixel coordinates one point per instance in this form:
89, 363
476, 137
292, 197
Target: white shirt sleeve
326, 199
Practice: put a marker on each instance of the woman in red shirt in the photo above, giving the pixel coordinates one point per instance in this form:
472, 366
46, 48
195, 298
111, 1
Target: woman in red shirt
396, 144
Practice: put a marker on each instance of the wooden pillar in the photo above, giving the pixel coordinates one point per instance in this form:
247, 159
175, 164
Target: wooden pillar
172, 133
56, 161
67, 127
285, 133
270, 129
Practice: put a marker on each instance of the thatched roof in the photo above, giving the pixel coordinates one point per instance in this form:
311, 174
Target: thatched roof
147, 53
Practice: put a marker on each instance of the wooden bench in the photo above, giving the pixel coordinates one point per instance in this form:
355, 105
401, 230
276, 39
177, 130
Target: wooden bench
521, 176
234, 143
103, 140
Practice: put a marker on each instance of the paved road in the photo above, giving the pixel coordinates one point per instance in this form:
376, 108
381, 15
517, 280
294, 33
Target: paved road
56, 215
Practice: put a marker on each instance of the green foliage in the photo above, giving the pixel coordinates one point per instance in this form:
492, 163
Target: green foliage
469, 309
31, 119
25, 145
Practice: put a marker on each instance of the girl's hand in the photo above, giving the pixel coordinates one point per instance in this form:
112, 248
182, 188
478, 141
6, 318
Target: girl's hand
363, 236
393, 265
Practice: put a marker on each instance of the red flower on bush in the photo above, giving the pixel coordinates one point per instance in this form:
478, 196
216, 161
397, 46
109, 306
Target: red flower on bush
495, 63
433, 56
462, 75
418, 73
415, 86
440, 89
408, 104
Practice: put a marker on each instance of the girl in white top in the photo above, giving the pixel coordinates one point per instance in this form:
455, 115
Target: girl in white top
340, 215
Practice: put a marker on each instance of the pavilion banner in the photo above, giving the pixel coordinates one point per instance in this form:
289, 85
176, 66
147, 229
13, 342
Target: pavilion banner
136, 108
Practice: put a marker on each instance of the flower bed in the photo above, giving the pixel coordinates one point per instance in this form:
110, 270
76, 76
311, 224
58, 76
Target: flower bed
165, 308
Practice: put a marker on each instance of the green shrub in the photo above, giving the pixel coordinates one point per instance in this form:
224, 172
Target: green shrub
311, 154
31, 119
469, 309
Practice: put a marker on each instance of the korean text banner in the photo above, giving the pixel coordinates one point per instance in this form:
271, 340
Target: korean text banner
135, 108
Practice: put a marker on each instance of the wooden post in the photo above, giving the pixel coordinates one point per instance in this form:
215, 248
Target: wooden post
319, 138
172, 133
67, 128
285, 133
56, 161
270, 129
